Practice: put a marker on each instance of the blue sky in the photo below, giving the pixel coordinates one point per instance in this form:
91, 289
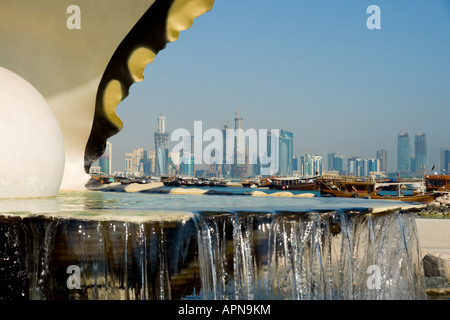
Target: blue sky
309, 67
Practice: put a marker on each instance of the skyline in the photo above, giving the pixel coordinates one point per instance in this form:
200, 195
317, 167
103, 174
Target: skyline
413, 158
311, 68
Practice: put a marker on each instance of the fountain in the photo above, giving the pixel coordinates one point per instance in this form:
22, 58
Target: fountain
215, 255
52, 250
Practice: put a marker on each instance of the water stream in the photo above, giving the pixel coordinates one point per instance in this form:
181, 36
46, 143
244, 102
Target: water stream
211, 254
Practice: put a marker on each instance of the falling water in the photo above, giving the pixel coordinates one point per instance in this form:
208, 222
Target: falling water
233, 254
225, 255
310, 255
128, 259
25, 251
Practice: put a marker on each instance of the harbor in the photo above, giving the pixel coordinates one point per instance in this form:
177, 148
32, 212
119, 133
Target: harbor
414, 190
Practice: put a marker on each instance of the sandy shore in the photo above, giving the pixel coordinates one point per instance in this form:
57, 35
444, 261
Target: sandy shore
434, 239
434, 234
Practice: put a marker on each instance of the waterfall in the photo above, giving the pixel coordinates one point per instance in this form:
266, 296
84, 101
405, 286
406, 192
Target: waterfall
25, 252
126, 259
310, 255
233, 255
221, 255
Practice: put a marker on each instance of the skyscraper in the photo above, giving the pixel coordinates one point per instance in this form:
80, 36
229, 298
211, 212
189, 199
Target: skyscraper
286, 153
161, 148
137, 163
295, 163
413, 164
335, 162
226, 167
187, 157
362, 167
373, 165
403, 154
355, 166
105, 160
444, 160
311, 165
420, 150
382, 156
239, 167
272, 152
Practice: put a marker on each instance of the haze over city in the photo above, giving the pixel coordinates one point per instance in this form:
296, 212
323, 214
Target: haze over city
309, 67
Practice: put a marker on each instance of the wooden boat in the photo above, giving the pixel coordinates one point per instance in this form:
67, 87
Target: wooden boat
248, 183
366, 189
437, 183
171, 181
347, 188
266, 181
291, 183
427, 197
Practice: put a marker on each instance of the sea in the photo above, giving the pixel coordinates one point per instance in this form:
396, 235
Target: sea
215, 198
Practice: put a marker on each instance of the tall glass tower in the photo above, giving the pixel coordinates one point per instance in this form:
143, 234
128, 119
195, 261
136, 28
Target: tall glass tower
335, 162
382, 156
286, 153
161, 148
404, 154
105, 160
311, 165
420, 149
445, 160
239, 167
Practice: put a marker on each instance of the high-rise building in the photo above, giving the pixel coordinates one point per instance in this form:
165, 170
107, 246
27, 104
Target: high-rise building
272, 152
373, 165
362, 167
382, 156
335, 162
187, 157
311, 165
104, 162
226, 167
151, 159
445, 160
420, 150
137, 163
240, 166
294, 163
403, 154
413, 164
355, 166
161, 148
286, 153
330, 160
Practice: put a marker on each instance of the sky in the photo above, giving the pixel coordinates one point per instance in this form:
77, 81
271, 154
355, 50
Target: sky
311, 67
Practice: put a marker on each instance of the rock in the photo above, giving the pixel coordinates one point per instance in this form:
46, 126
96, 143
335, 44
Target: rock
436, 282
438, 291
434, 266
436, 205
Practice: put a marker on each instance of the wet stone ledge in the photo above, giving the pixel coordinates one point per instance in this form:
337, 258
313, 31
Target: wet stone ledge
437, 274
